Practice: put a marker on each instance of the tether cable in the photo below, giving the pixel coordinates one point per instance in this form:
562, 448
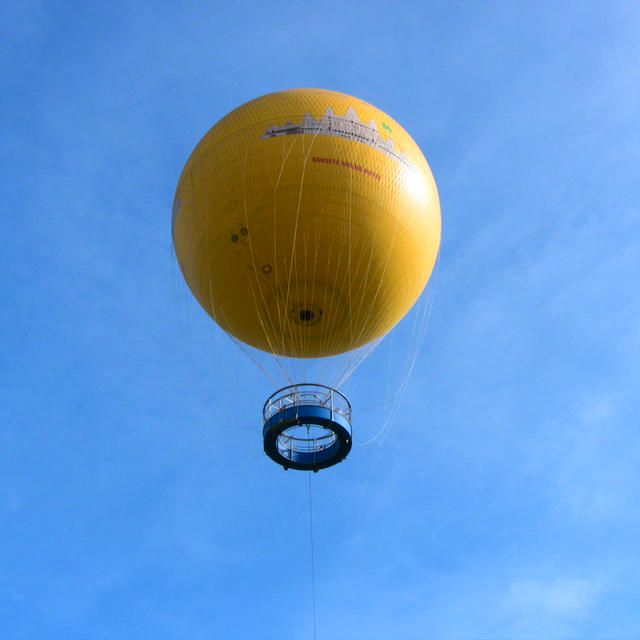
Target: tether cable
313, 568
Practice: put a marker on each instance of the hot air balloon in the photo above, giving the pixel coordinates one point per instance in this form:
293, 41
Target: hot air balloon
306, 223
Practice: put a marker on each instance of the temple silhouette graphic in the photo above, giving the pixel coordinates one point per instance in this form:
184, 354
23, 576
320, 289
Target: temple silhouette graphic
347, 126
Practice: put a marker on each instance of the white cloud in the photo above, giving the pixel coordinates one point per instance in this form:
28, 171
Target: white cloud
543, 608
558, 597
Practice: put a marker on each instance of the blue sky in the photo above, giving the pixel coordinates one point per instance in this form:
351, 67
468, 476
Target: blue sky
504, 502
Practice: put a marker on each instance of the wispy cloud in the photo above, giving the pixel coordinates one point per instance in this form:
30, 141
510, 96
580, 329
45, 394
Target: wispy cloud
548, 608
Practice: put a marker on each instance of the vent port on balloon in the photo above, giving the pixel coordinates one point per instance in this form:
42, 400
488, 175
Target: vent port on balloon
306, 314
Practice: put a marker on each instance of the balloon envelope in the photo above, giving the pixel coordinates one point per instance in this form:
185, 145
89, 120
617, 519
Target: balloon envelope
306, 223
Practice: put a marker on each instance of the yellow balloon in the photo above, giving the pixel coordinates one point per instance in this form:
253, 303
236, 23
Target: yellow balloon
306, 222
